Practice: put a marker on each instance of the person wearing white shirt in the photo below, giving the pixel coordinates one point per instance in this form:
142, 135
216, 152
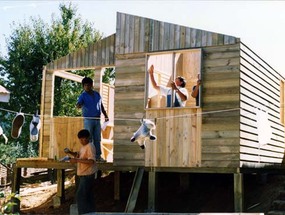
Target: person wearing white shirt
180, 95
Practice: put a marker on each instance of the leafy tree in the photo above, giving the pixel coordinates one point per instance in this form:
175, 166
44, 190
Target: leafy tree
32, 45
109, 76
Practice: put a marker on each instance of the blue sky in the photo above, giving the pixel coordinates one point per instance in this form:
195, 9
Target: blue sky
259, 24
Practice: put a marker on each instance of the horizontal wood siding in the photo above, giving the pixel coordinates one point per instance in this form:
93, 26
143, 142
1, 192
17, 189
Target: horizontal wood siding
128, 109
138, 34
99, 54
260, 91
220, 105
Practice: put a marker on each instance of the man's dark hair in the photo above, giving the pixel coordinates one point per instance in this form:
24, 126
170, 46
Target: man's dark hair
86, 80
182, 79
83, 133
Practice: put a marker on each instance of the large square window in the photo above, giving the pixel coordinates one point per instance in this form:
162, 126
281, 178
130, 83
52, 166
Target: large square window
167, 67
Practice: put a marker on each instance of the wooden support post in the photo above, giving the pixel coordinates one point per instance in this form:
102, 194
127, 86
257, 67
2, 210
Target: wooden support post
16, 179
238, 192
132, 200
60, 196
60, 184
117, 185
151, 191
16, 188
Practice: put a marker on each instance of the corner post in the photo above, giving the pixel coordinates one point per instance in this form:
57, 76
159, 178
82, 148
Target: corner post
238, 192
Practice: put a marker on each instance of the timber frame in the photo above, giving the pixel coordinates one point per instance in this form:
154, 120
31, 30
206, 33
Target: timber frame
224, 130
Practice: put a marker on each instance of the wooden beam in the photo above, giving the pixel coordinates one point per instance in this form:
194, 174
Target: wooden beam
238, 192
68, 75
132, 200
42, 109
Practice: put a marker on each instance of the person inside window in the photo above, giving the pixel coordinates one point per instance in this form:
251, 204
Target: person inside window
178, 86
195, 91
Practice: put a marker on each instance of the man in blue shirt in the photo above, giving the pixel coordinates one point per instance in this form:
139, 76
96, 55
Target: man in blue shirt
91, 103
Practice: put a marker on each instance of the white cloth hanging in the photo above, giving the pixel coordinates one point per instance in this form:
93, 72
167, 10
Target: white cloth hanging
2, 134
263, 127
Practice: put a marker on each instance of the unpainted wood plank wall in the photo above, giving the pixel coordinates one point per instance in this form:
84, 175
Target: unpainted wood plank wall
101, 53
138, 34
128, 109
260, 88
220, 105
178, 142
220, 90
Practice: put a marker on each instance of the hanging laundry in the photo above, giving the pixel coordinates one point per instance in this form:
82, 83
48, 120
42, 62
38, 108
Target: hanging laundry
35, 126
17, 125
2, 134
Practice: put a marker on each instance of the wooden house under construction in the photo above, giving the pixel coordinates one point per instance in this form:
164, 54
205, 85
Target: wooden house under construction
238, 124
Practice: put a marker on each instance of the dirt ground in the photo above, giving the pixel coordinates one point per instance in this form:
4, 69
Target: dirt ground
210, 193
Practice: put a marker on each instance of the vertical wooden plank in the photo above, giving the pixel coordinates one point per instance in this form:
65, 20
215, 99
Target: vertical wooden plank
182, 37
103, 52
99, 53
131, 35
171, 36
204, 38
176, 36
117, 185
187, 136
149, 150
238, 192
69, 61
209, 39
188, 38
174, 139
112, 50
193, 37
74, 59
215, 39
127, 35
95, 53
151, 190
90, 57
122, 34
198, 136
162, 149
118, 33
161, 35
136, 36
171, 136
86, 56
198, 38
156, 35
220, 39
166, 38
145, 34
